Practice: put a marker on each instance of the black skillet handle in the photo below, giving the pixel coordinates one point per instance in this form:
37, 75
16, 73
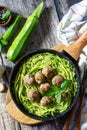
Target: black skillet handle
75, 49
69, 56
72, 59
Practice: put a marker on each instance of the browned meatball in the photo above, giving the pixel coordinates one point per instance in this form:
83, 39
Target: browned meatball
44, 87
39, 78
63, 95
45, 101
29, 79
57, 80
34, 95
48, 72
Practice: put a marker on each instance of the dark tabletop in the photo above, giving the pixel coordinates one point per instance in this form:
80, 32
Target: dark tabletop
45, 36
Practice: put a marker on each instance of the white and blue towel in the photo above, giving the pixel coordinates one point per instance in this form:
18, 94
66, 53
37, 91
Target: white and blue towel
72, 26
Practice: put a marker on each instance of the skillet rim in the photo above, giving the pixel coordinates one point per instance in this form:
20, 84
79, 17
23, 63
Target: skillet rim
13, 74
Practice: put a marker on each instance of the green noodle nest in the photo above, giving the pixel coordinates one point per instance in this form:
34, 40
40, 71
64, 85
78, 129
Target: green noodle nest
34, 64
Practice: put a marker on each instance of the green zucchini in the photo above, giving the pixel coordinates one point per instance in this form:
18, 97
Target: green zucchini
19, 44
6, 15
11, 30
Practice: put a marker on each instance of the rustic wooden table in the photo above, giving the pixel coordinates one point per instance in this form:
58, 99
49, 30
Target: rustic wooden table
44, 37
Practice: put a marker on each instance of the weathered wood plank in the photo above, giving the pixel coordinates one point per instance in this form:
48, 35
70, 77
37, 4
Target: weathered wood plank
62, 6
52, 125
6, 122
71, 2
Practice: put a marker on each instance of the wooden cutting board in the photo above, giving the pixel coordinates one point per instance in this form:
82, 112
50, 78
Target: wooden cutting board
15, 113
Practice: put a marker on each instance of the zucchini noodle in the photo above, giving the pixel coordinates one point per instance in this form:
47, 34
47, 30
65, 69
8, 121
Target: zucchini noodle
34, 64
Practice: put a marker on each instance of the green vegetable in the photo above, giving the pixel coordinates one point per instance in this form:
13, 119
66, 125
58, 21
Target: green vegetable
58, 91
3, 42
6, 15
11, 30
66, 84
53, 91
0, 47
19, 44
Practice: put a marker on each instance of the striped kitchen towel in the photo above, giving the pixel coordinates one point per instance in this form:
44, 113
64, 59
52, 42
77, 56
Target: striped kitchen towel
71, 27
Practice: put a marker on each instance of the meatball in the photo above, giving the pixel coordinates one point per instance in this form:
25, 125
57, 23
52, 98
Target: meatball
44, 87
33, 95
45, 101
63, 95
29, 79
48, 72
39, 78
57, 80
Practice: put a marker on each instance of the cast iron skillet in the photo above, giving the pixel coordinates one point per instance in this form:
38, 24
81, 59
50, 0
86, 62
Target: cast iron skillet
72, 56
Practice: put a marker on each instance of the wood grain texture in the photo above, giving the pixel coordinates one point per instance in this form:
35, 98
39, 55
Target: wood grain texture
61, 7
6, 123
